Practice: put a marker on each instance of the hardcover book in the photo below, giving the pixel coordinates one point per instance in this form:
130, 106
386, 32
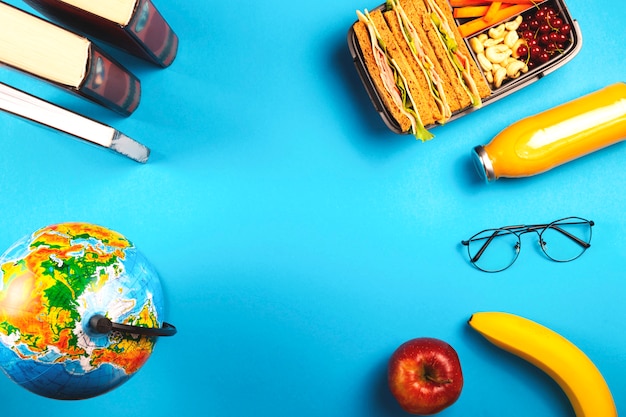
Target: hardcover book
66, 59
135, 26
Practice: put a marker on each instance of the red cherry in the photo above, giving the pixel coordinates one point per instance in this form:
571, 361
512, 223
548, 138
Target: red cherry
558, 37
528, 35
535, 51
522, 51
549, 11
556, 22
544, 28
540, 14
534, 24
532, 42
544, 57
543, 39
552, 48
565, 29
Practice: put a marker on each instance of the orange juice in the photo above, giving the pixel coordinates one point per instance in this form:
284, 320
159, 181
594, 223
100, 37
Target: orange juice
566, 132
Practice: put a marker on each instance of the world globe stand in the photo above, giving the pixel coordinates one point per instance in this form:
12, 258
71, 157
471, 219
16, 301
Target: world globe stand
100, 324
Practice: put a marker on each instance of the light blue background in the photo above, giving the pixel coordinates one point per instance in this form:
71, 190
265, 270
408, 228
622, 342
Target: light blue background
300, 242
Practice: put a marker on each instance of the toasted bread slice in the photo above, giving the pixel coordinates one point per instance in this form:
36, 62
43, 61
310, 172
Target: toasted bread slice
425, 106
428, 108
450, 91
475, 72
449, 72
364, 40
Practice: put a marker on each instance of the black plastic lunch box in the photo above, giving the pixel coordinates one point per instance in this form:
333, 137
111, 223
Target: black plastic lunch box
507, 88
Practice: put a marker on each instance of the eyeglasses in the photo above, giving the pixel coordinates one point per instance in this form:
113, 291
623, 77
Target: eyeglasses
494, 250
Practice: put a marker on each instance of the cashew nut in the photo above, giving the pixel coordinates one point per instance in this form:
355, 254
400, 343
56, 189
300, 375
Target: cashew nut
492, 41
497, 32
510, 38
497, 53
513, 68
507, 61
498, 77
484, 63
477, 45
514, 24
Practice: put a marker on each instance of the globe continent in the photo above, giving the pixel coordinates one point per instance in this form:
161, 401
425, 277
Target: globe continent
51, 283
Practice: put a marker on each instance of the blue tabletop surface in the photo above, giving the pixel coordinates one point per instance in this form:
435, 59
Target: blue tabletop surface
299, 241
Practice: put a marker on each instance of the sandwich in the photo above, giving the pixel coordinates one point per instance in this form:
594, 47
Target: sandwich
391, 74
419, 63
467, 72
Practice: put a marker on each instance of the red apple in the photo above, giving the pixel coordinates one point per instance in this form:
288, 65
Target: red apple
425, 375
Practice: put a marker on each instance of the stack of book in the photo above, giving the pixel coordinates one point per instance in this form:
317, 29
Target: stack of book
63, 52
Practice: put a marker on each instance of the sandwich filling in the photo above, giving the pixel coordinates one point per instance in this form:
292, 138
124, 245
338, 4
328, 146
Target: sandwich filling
427, 67
459, 60
393, 80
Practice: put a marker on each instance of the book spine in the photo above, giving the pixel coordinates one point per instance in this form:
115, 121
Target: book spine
147, 35
110, 84
150, 29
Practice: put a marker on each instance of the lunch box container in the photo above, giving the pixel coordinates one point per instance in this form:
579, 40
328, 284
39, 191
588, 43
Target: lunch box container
508, 87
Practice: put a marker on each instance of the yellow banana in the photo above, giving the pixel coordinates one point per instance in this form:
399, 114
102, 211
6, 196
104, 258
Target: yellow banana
558, 357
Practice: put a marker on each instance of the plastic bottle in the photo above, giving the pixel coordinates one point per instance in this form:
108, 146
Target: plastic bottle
566, 132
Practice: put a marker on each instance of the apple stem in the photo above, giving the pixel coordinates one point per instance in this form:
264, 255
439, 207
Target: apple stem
437, 380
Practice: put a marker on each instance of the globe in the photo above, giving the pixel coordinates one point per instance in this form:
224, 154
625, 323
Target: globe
53, 284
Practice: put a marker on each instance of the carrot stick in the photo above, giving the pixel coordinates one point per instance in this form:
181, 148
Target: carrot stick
470, 11
463, 3
492, 11
478, 24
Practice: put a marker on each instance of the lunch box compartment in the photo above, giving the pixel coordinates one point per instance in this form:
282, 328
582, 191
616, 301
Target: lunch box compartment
508, 87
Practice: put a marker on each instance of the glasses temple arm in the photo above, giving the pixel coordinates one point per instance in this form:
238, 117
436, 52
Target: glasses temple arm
484, 246
572, 237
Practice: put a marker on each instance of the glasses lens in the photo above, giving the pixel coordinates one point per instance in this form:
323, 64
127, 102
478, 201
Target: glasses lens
567, 239
493, 250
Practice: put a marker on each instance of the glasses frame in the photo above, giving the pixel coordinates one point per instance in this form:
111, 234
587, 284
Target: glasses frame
519, 230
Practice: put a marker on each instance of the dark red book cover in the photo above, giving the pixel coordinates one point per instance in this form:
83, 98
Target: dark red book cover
110, 84
147, 35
